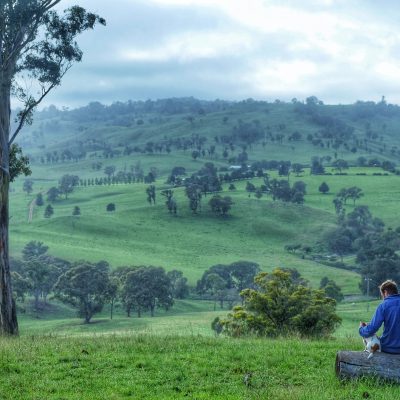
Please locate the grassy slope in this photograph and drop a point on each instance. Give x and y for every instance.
(139, 234)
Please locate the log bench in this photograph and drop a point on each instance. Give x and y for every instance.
(353, 364)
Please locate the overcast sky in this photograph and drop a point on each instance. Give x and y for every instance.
(338, 50)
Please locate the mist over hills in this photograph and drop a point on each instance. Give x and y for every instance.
(298, 129)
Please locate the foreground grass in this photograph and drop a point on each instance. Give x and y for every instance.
(150, 367)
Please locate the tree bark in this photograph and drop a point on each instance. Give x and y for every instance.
(8, 314)
(354, 364)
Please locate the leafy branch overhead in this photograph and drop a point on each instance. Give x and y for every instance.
(45, 61)
(37, 48)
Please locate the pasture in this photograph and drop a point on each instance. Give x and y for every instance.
(174, 367)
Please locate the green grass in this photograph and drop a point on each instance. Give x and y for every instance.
(173, 367)
(186, 317)
(257, 230)
(140, 234)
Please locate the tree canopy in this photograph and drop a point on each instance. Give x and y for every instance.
(84, 286)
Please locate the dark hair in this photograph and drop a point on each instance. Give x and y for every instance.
(389, 286)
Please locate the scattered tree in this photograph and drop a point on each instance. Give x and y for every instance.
(84, 286)
(109, 170)
(220, 205)
(67, 184)
(52, 194)
(49, 211)
(28, 186)
(151, 194)
(110, 207)
(170, 202)
(145, 288)
(39, 200)
(323, 188)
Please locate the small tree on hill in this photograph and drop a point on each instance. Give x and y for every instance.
(250, 187)
(170, 202)
(110, 207)
(297, 169)
(67, 184)
(151, 194)
(49, 211)
(259, 193)
(76, 211)
(39, 200)
(323, 188)
(355, 193)
(109, 170)
(339, 165)
(193, 192)
(195, 154)
(28, 186)
(220, 205)
(52, 194)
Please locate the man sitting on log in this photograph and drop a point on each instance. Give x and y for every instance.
(388, 313)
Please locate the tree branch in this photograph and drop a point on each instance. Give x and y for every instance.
(29, 30)
(30, 107)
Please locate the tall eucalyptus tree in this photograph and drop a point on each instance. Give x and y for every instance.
(37, 45)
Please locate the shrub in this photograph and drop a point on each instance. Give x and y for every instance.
(281, 306)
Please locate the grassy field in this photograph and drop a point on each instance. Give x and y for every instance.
(185, 318)
(140, 234)
(174, 367)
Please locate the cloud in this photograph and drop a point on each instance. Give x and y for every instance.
(338, 50)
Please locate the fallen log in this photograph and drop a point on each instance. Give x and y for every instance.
(353, 364)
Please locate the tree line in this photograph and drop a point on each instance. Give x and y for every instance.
(360, 233)
(89, 286)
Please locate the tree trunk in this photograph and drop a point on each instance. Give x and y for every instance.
(8, 314)
(354, 364)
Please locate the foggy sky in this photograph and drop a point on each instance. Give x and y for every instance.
(338, 50)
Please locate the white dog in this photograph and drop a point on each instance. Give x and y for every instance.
(372, 344)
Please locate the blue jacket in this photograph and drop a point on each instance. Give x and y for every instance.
(388, 313)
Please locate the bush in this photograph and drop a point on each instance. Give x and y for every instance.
(282, 306)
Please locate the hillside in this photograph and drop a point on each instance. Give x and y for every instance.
(139, 138)
(174, 127)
